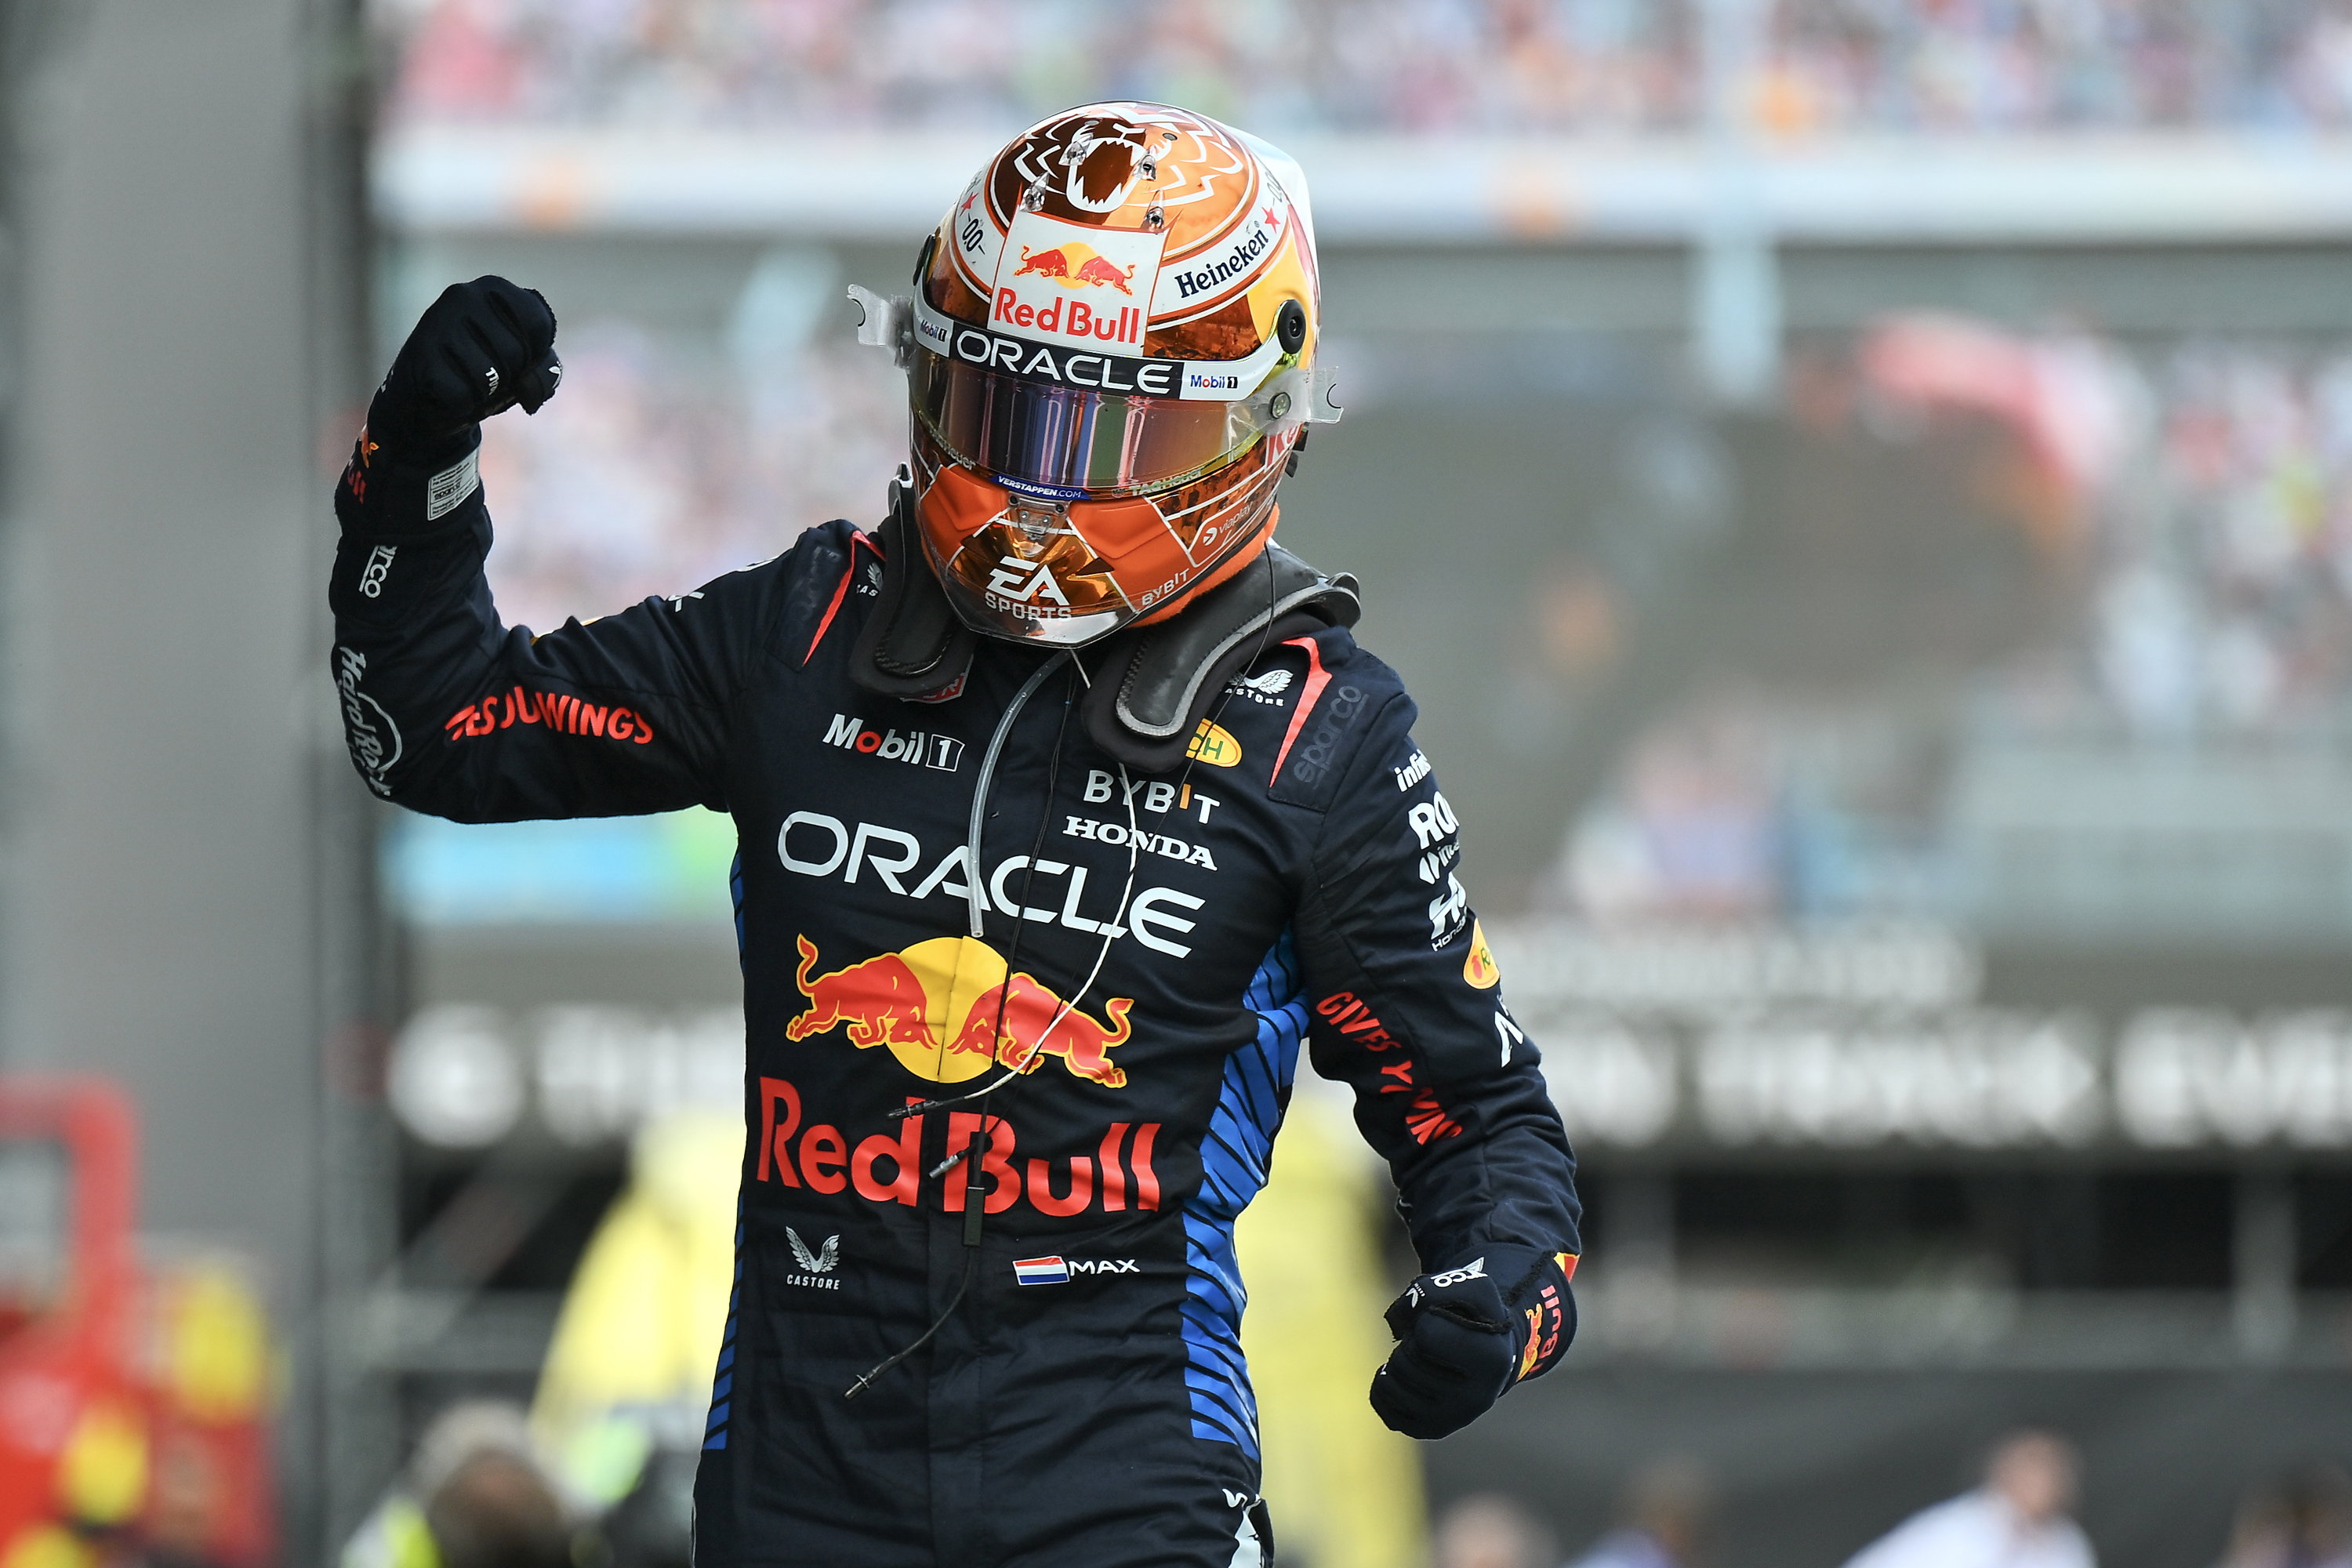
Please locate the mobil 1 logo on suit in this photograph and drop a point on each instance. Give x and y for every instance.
(943, 753)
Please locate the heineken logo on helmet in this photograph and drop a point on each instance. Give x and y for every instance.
(1235, 263)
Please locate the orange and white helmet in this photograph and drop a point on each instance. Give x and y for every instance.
(1111, 360)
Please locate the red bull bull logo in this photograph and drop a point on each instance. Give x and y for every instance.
(1021, 1023)
(948, 1010)
(1074, 264)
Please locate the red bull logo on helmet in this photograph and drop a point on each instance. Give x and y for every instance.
(948, 1010)
(1071, 284)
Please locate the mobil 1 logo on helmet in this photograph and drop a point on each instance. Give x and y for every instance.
(1074, 285)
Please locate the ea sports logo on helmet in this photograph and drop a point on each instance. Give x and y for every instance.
(1025, 582)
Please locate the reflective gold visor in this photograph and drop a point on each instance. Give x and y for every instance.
(1069, 439)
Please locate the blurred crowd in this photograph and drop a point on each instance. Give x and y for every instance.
(2007, 65)
(2199, 547)
(1387, 65)
(2227, 582)
(479, 1492)
(667, 462)
(2209, 544)
(1515, 67)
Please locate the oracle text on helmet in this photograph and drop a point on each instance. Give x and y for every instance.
(1098, 372)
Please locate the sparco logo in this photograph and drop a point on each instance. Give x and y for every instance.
(368, 732)
(943, 753)
(1332, 725)
(378, 567)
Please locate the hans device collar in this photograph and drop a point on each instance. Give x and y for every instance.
(1153, 683)
(914, 648)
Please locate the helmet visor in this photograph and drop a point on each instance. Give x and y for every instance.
(1068, 438)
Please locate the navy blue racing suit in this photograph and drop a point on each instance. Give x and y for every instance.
(1135, 961)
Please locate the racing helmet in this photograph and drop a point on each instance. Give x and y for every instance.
(1110, 358)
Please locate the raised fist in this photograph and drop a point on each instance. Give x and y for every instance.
(1466, 1335)
(480, 349)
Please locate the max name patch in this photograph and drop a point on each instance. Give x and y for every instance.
(1060, 1271)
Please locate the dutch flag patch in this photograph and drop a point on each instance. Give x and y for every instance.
(1041, 1271)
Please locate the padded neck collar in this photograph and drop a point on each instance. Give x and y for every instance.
(1150, 685)
(914, 648)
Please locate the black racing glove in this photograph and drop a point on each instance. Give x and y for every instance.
(480, 349)
(1467, 1334)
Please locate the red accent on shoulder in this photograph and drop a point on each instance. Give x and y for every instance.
(1317, 679)
(856, 538)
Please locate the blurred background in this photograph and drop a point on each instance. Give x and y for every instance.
(1861, 490)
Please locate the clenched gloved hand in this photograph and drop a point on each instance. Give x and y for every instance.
(480, 349)
(1464, 1335)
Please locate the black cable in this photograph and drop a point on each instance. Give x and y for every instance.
(970, 1268)
(975, 1200)
(1036, 848)
(1020, 918)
